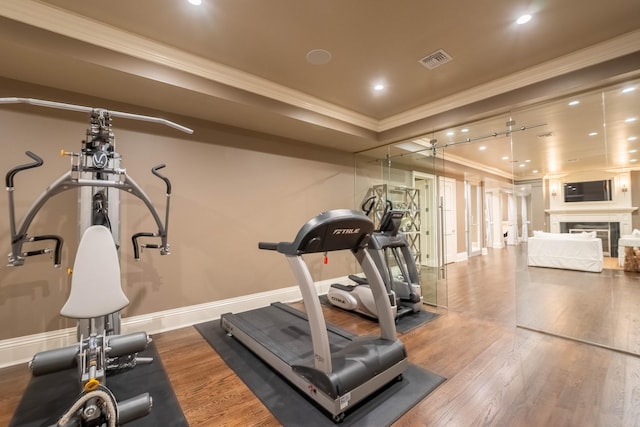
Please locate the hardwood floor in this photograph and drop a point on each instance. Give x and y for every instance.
(498, 375)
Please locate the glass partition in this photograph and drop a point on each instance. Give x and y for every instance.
(404, 176)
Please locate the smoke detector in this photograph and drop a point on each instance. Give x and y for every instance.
(435, 59)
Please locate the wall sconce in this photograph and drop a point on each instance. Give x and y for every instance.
(553, 191)
(624, 187)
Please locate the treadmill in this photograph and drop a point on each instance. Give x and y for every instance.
(331, 367)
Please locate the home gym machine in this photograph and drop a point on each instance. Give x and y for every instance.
(96, 296)
(335, 370)
(403, 289)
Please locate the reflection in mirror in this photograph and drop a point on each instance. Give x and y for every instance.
(574, 278)
(553, 187)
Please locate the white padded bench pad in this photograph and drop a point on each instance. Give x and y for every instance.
(95, 284)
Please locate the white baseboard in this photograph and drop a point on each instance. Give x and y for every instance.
(18, 350)
(461, 256)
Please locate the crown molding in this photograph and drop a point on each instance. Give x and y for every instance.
(77, 27)
(596, 54)
(97, 33)
(474, 165)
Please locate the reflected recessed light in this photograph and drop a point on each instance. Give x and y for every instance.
(630, 120)
(633, 151)
(195, 2)
(505, 157)
(482, 148)
(633, 160)
(521, 165)
(593, 133)
(527, 161)
(523, 19)
(464, 130)
(628, 89)
(573, 103)
(632, 138)
(535, 171)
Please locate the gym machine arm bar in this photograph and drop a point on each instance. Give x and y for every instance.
(164, 249)
(64, 183)
(37, 162)
(81, 108)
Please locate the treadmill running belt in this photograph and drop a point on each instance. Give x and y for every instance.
(285, 332)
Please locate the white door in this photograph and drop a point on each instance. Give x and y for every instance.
(447, 192)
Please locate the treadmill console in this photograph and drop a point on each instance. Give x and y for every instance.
(333, 230)
(390, 222)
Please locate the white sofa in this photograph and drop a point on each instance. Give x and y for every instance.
(571, 251)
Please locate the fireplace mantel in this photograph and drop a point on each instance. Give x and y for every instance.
(592, 210)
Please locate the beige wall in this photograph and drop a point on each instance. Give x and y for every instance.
(231, 189)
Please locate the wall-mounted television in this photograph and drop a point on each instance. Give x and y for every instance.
(587, 191)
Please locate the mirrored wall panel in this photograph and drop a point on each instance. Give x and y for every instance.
(578, 248)
(553, 189)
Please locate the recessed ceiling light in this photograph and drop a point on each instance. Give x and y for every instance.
(195, 2)
(505, 157)
(378, 87)
(527, 161)
(535, 171)
(593, 133)
(318, 57)
(450, 133)
(630, 120)
(482, 148)
(465, 130)
(632, 138)
(521, 165)
(633, 160)
(573, 103)
(523, 19)
(628, 89)
(633, 151)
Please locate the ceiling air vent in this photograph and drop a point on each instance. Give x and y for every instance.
(435, 59)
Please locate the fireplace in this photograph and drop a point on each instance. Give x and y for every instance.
(608, 232)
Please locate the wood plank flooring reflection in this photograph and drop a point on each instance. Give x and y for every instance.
(498, 375)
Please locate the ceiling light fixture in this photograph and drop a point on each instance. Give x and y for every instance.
(574, 103)
(378, 87)
(482, 148)
(628, 89)
(195, 2)
(632, 138)
(505, 157)
(523, 19)
(593, 133)
(465, 130)
(630, 120)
